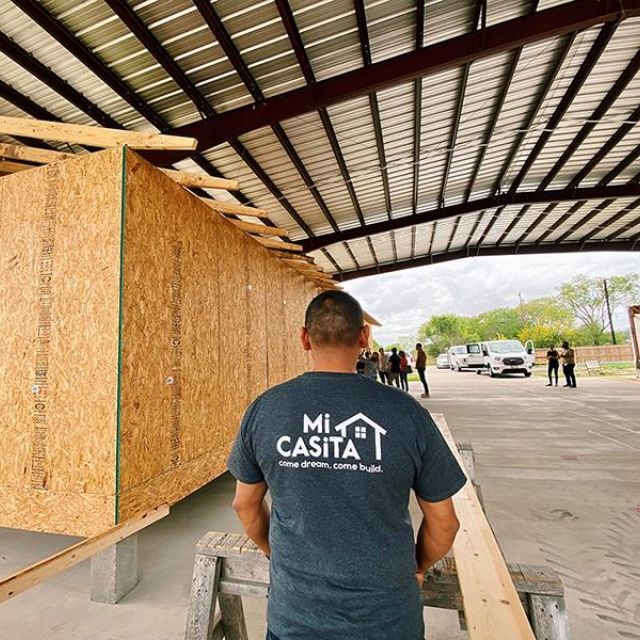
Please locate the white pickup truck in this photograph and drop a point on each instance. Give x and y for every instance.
(501, 356)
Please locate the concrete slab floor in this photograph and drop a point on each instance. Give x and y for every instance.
(560, 474)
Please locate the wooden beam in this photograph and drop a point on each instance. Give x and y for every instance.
(293, 256)
(235, 209)
(304, 266)
(94, 136)
(279, 244)
(201, 180)
(492, 607)
(44, 569)
(6, 166)
(260, 229)
(32, 154)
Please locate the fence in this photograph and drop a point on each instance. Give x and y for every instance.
(604, 353)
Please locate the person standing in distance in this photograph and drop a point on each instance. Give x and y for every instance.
(337, 452)
(393, 376)
(421, 365)
(568, 364)
(553, 364)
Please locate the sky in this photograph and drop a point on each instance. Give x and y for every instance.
(403, 300)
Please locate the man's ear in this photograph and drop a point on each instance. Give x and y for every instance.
(304, 339)
(363, 338)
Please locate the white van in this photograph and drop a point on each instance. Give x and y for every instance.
(507, 356)
(457, 357)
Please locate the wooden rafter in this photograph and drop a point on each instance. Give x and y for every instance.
(94, 136)
(235, 209)
(259, 229)
(279, 244)
(200, 180)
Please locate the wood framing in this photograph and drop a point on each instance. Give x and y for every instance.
(121, 306)
(44, 569)
(7, 166)
(279, 245)
(94, 136)
(201, 180)
(32, 154)
(492, 607)
(259, 229)
(235, 209)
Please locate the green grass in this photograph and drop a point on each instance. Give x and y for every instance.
(606, 369)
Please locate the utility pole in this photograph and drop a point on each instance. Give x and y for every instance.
(606, 297)
(521, 308)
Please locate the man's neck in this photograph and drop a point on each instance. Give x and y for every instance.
(334, 361)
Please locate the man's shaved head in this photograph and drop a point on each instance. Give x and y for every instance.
(334, 318)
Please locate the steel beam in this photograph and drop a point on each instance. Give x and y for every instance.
(505, 250)
(219, 32)
(33, 66)
(417, 121)
(365, 50)
(288, 19)
(501, 200)
(480, 9)
(577, 83)
(483, 43)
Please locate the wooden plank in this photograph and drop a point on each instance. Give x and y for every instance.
(491, 604)
(259, 229)
(303, 266)
(293, 256)
(232, 614)
(201, 180)
(67, 558)
(279, 244)
(32, 154)
(235, 209)
(7, 166)
(94, 136)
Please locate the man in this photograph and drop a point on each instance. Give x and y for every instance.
(552, 364)
(383, 365)
(393, 376)
(340, 456)
(568, 364)
(421, 365)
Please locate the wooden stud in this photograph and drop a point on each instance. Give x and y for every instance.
(260, 229)
(201, 618)
(94, 136)
(67, 558)
(32, 154)
(235, 209)
(279, 244)
(6, 166)
(201, 180)
(232, 614)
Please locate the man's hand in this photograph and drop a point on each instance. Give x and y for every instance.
(436, 534)
(253, 513)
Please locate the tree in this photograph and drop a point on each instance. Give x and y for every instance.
(585, 297)
(546, 322)
(497, 324)
(442, 331)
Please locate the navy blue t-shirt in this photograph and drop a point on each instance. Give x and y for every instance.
(341, 454)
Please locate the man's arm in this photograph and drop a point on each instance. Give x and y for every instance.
(436, 534)
(253, 513)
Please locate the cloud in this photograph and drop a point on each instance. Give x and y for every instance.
(403, 300)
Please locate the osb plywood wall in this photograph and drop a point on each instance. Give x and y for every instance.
(59, 264)
(123, 375)
(214, 319)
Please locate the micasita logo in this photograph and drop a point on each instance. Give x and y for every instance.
(346, 446)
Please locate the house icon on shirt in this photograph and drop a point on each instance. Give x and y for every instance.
(362, 428)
